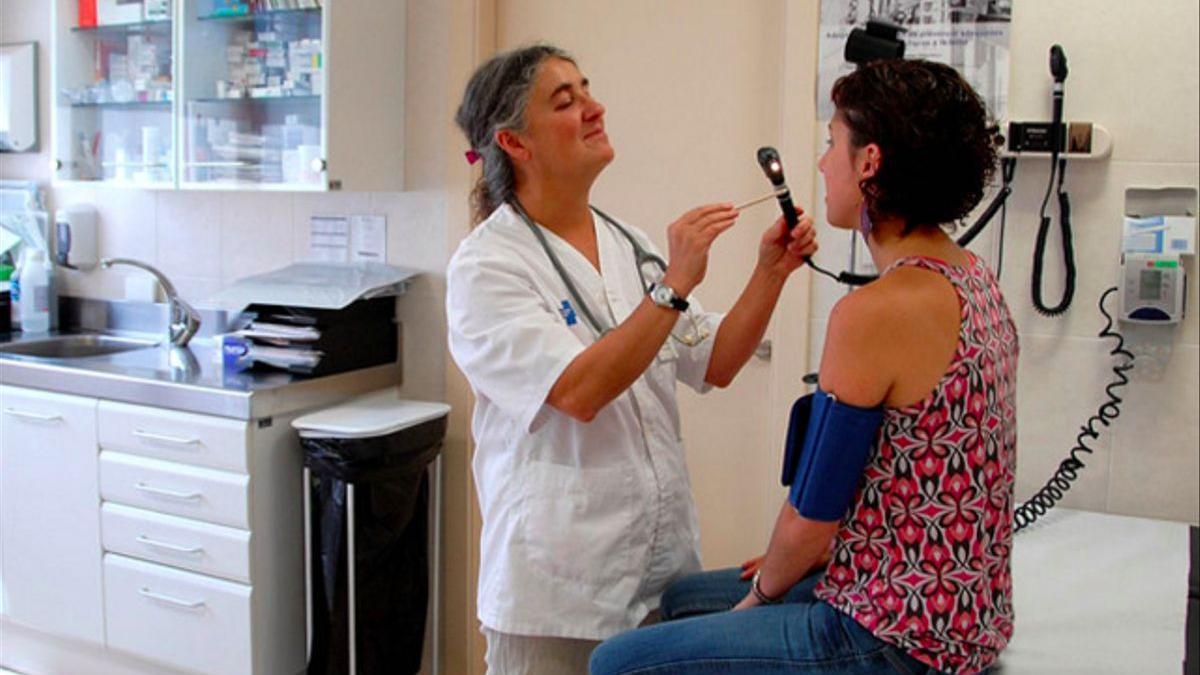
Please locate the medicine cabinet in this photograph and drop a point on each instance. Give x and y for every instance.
(300, 95)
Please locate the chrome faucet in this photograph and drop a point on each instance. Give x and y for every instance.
(184, 320)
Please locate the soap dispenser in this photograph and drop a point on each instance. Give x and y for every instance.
(75, 237)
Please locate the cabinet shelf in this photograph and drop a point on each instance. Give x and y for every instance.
(152, 26)
(127, 104)
(256, 99)
(262, 14)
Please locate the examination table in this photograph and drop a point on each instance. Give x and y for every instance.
(1101, 593)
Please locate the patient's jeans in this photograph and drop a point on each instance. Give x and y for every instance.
(799, 635)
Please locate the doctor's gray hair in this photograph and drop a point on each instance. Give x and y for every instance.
(495, 100)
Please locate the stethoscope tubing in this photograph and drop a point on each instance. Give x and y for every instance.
(640, 254)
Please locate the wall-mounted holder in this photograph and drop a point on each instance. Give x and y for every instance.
(1079, 140)
(1159, 238)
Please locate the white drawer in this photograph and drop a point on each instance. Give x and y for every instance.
(178, 618)
(202, 440)
(179, 542)
(166, 487)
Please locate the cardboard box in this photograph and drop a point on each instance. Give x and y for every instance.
(110, 12)
(156, 10)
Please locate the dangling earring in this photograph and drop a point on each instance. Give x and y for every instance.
(864, 222)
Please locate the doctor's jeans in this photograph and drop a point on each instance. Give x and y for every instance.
(799, 635)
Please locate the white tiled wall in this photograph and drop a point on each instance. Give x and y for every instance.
(204, 241)
(1140, 80)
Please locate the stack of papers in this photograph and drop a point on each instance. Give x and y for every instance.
(276, 332)
(286, 357)
(283, 344)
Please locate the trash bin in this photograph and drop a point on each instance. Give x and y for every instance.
(367, 512)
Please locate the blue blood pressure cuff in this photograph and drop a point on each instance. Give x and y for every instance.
(828, 443)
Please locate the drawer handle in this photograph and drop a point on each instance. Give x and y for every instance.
(52, 417)
(168, 493)
(163, 438)
(170, 547)
(186, 604)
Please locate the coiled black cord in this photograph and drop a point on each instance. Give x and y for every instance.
(1058, 168)
(1054, 489)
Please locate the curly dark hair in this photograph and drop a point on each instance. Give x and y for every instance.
(938, 147)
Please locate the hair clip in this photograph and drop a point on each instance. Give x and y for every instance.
(473, 156)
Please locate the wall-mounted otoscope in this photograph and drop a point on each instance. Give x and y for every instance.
(1058, 170)
(879, 40)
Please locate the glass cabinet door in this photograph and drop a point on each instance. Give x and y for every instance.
(251, 92)
(114, 92)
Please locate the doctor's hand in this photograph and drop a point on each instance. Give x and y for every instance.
(782, 252)
(689, 239)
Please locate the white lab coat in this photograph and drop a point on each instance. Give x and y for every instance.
(584, 525)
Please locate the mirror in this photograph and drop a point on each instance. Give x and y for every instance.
(18, 97)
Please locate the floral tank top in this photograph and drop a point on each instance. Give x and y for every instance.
(922, 560)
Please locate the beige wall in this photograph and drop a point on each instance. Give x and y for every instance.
(1134, 69)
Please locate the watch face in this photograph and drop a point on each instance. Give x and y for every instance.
(662, 295)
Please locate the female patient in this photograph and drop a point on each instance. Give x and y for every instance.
(919, 579)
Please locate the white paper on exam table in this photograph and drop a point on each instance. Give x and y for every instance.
(1098, 593)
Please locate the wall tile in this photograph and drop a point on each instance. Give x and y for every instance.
(196, 289)
(1156, 451)
(256, 234)
(305, 205)
(1060, 384)
(1145, 90)
(127, 224)
(97, 283)
(416, 228)
(189, 234)
(421, 311)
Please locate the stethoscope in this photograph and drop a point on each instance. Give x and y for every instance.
(650, 268)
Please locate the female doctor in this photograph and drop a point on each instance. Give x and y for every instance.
(572, 333)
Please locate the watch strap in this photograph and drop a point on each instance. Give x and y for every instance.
(673, 302)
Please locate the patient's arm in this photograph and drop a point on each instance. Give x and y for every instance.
(857, 367)
(798, 545)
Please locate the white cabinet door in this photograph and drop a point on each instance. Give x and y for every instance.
(50, 512)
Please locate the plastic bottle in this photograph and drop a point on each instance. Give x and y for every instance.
(34, 301)
(14, 299)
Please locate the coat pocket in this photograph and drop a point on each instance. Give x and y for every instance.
(578, 524)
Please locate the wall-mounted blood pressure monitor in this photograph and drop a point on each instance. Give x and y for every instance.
(1158, 244)
(1153, 289)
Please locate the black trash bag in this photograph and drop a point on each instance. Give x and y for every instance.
(391, 494)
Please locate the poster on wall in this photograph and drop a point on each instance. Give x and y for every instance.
(971, 35)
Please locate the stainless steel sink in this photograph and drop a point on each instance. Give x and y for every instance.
(75, 346)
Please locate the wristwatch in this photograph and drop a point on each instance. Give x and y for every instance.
(664, 296)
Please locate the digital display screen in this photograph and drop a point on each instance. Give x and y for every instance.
(1151, 285)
